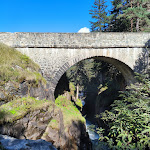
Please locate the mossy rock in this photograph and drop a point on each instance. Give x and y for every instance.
(79, 103)
(69, 110)
(54, 124)
(18, 108)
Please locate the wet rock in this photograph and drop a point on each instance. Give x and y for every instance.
(11, 143)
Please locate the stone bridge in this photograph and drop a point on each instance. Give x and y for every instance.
(57, 52)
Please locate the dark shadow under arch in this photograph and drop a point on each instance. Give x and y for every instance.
(126, 71)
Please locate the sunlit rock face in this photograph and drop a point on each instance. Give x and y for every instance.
(12, 89)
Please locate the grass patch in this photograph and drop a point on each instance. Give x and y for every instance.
(72, 88)
(79, 103)
(14, 66)
(69, 110)
(18, 108)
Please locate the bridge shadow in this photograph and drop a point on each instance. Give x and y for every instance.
(143, 62)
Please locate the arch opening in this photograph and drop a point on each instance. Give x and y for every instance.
(123, 75)
(125, 70)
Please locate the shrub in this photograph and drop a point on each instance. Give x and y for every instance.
(128, 122)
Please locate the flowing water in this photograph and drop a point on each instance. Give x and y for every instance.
(94, 137)
(11, 143)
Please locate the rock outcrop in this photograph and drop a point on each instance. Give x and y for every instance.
(12, 89)
(48, 123)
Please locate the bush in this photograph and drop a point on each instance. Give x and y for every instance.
(128, 122)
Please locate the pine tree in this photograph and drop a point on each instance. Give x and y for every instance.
(78, 75)
(137, 12)
(99, 16)
(142, 13)
(117, 24)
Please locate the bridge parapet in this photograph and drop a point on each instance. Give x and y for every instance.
(74, 40)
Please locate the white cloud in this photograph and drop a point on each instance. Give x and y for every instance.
(84, 30)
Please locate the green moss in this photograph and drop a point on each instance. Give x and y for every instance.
(18, 108)
(25, 59)
(69, 110)
(72, 88)
(53, 120)
(61, 101)
(39, 78)
(79, 103)
(14, 66)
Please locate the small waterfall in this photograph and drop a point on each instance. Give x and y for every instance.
(93, 135)
(96, 144)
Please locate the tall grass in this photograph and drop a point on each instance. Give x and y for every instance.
(15, 66)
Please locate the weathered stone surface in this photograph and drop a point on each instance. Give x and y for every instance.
(11, 90)
(75, 40)
(2, 96)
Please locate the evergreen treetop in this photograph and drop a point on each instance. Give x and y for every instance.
(99, 16)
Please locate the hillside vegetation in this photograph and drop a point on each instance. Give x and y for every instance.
(15, 66)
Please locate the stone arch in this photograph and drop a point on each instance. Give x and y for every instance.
(126, 71)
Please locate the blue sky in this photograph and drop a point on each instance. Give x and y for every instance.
(44, 15)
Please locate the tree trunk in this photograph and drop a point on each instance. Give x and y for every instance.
(137, 20)
(131, 20)
(132, 25)
(77, 93)
(137, 25)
